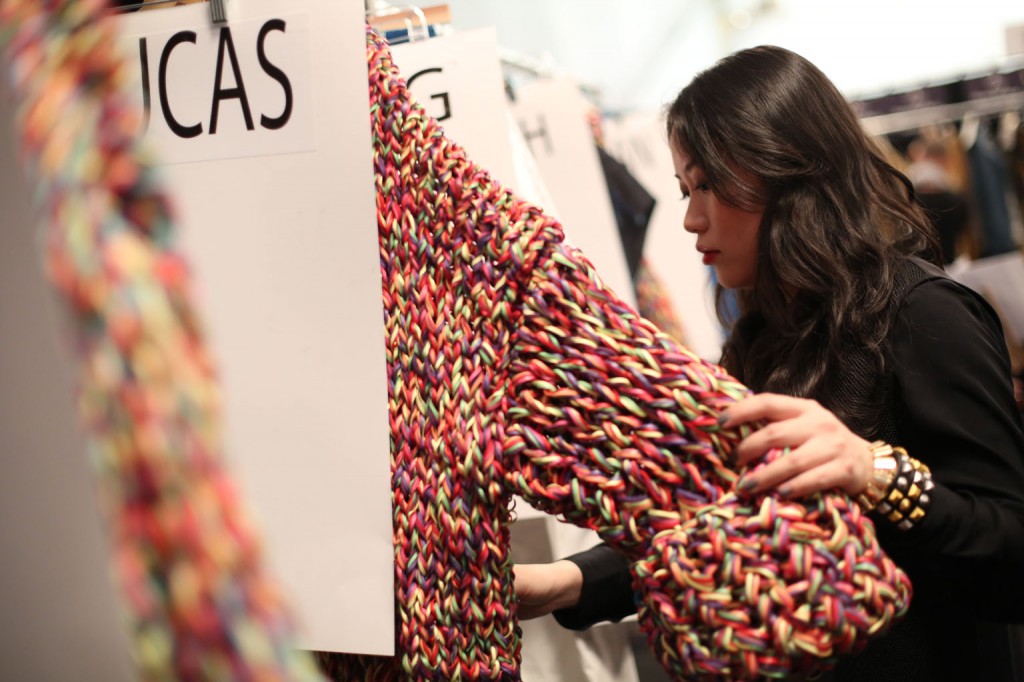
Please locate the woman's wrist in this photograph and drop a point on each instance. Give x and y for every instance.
(543, 588)
(910, 496)
(569, 580)
(885, 466)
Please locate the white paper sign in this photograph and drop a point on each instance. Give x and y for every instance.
(552, 115)
(458, 81)
(229, 90)
(278, 222)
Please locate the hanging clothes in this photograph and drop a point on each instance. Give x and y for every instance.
(949, 214)
(990, 181)
(198, 597)
(1012, 135)
(1016, 163)
(654, 302)
(947, 209)
(633, 206)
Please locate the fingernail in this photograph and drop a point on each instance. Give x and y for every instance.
(746, 484)
(722, 418)
(785, 490)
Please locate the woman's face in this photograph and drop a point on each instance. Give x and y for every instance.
(726, 235)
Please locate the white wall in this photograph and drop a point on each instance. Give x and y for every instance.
(641, 53)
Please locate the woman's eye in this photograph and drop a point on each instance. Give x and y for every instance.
(686, 195)
(702, 187)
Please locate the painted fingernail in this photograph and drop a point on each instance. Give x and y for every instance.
(722, 418)
(785, 490)
(746, 484)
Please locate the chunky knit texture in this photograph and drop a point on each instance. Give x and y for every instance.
(512, 369)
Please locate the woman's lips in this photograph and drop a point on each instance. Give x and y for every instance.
(710, 256)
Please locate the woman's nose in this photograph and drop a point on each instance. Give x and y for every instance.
(694, 220)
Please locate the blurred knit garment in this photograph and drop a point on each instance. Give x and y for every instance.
(654, 303)
(198, 599)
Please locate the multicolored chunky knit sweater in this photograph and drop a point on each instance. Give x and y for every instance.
(512, 369)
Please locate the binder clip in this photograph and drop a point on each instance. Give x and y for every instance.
(219, 11)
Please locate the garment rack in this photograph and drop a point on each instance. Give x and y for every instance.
(218, 8)
(393, 18)
(943, 113)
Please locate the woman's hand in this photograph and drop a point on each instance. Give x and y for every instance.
(824, 454)
(543, 588)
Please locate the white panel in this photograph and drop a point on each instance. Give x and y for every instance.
(552, 115)
(284, 245)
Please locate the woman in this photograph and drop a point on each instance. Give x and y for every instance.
(851, 335)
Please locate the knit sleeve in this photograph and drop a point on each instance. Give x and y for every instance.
(603, 402)
(613, 426)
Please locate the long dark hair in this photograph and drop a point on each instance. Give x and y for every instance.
(837, 219)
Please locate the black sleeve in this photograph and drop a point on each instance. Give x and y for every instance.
(607, 592)
(958, 416)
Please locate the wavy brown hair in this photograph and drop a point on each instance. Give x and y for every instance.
(837, 219)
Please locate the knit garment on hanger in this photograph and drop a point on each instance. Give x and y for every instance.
(198, 599)
(512, 368)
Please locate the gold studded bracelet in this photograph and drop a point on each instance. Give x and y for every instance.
(911, 493)
(883, 476)
(900, 486)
